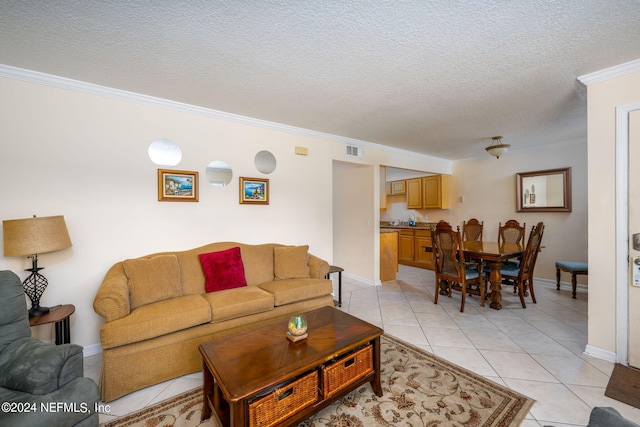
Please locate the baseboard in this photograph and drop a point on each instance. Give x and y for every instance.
(554, 283)
(360, 279)
(90, 350)
(599, 353)
(539, 280)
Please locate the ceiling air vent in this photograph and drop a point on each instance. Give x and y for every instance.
(354, 151)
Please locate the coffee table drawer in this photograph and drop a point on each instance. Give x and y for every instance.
(346, 370)
(284, 401)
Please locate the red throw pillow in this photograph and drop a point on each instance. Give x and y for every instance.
(223, 270)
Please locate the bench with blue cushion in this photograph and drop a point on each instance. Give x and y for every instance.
(574, 268)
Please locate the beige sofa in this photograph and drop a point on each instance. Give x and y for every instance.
(158, 311)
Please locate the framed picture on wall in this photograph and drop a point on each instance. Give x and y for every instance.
(177, 186)
(254, 191)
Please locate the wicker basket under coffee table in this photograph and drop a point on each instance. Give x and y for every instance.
(257, 377)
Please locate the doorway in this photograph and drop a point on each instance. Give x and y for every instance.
(627, 223)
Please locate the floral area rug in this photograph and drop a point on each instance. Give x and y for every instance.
(420, 389)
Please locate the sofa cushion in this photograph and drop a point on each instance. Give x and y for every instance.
(293, 290)
(154, 320)
(153, 279)
(258, 267)
(238, 302)
(223, 270)
(291, 262)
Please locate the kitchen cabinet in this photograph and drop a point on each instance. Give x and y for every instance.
(424, 257)
(388, 255)
(435, 192)
(406, 246)
(414, 193)
(384, 188)
(396, 187)
(411, 248)
(429, 192)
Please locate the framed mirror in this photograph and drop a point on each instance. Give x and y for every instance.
(219, 173)
(544, 191)
(265, 161)
(164, 152)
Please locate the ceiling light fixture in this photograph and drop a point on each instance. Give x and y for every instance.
(497, 148)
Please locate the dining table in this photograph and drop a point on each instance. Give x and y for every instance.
(493, 254)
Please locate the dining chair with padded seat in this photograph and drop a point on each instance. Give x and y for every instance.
(511, 232)
(452, 271)
(521, 276)
(472, 230)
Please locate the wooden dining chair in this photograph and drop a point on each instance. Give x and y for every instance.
(511, 232)
(521, 276)
(472, 230)
(451, 270)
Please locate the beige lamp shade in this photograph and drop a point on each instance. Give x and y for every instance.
(31, 236)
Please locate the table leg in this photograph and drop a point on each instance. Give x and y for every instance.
(207, 390)
(66, 323)
(444, 288)
(375, 381)
(63, 332)
(574, 283)
(236, 410)
(339, 288)
(58, 327)
(495, 277)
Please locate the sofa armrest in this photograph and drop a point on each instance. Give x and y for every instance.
(608, 417)
(34, 367)
(319, 268)
(112, 300)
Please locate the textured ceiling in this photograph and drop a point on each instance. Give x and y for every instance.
(438, 77)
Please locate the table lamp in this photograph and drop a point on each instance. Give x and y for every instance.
(30, 237)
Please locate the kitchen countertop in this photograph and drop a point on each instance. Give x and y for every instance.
(420, 226)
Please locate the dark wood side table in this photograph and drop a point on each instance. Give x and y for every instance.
(59, 315)
(339, 270)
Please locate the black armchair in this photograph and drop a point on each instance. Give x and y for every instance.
(40, 384)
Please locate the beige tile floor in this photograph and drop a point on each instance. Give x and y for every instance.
(537, 351)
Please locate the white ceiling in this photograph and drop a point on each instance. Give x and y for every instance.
(439, 77)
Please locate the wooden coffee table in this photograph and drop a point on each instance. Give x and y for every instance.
(245, 368)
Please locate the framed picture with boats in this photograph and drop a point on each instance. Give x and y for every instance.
(254, 191)
(177, 186)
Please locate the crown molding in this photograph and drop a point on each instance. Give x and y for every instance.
(90, 88)
(610, 73)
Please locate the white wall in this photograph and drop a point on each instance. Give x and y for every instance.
(603, 98)
(83, 154)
